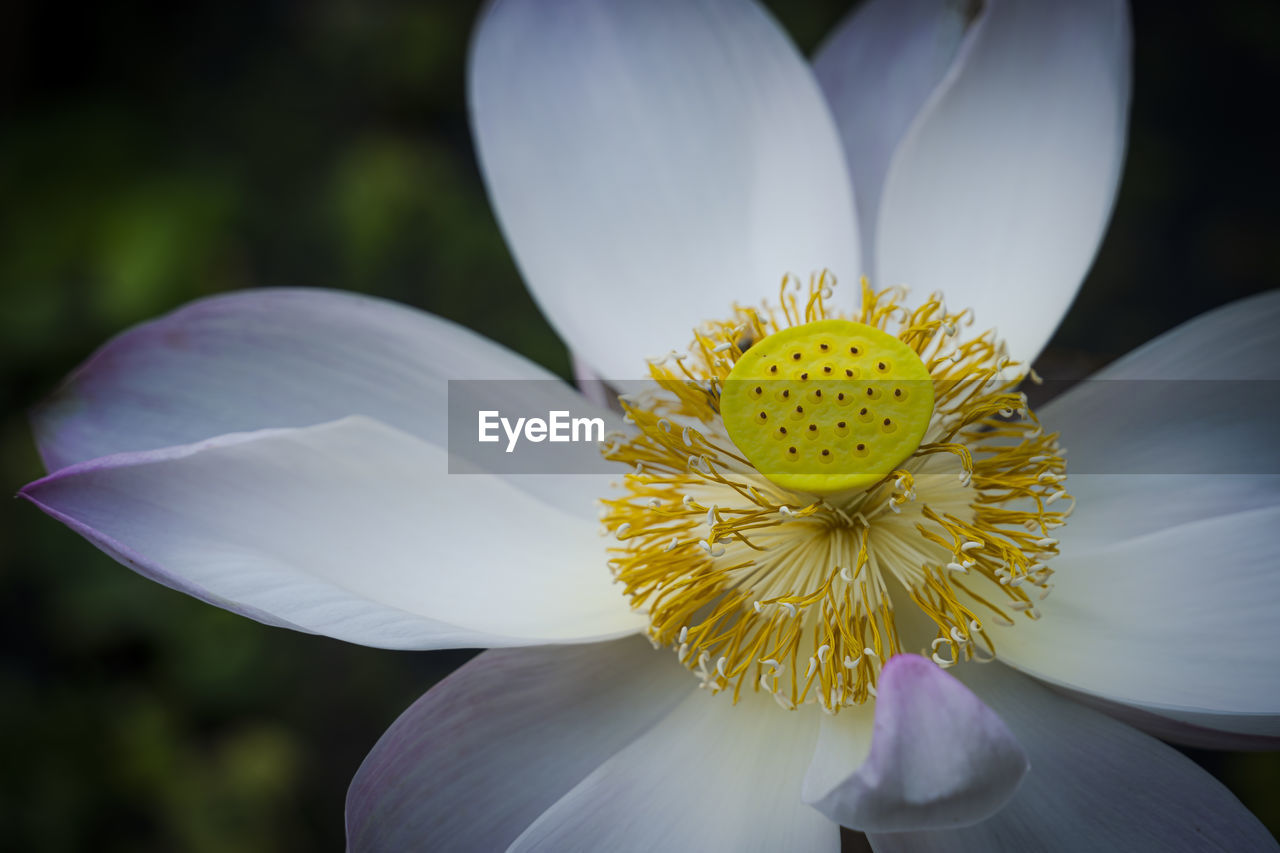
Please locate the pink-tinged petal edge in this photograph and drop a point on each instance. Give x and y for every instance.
(480, 756)
(336, 530)
(126, 555)
(1095, 784)
(939, 757)
(272, 358)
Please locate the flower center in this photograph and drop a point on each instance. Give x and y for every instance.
(897, 517)
(827, 406)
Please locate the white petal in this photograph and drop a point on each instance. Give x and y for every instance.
(876, 69)
(351, 529)
(475, 761)
(938, 757)
(1176, 731)
(1192, 412)
(1001, 190)
(1180, 623)
(1234, 341)
(262, 359)
(1179, 430)
(1095, 784)
(652, 163)
(1163, 591)
(711, 776)
(844, 741)
(1113, 508)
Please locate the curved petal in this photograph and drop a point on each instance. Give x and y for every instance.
(351, 529)
(1176, 731)
(1196, 402)
(1162, 594)
(938, 757)
(1236, 341)
(1000, 192)
(651, 163)
(844, 741)
(710, 776)
(1095, 784)
(263, 359)
(1178, 431)
(1114, 508)
(1180, 623)
(475, 761)
(876, 69)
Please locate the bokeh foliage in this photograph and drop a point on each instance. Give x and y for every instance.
(154, 153)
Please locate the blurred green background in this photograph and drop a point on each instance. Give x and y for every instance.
(152, 153)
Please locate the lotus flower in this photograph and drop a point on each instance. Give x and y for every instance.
(658, 167)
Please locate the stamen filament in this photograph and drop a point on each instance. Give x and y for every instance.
(762, 584)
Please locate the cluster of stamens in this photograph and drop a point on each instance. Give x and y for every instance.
(795, 580)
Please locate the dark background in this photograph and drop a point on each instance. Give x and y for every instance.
(152, 153)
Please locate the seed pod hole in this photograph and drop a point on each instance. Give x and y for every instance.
(869, 376)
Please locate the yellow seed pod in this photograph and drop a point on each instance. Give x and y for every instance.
(828, 406)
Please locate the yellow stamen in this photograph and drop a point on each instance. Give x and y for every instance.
(796, 587)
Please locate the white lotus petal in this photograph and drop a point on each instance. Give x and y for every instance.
(1001, 190)
(877, 68)
(1177, 731)
(351, 529)
(710, 776)
(1180, 429)
(844, 740)
(1180, 623)
(1094, 784)
(1162, 593)
(1233, 341)
(1113, 508)
(262, 359)
(652, 163)
(478, 758)
(938, 757)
